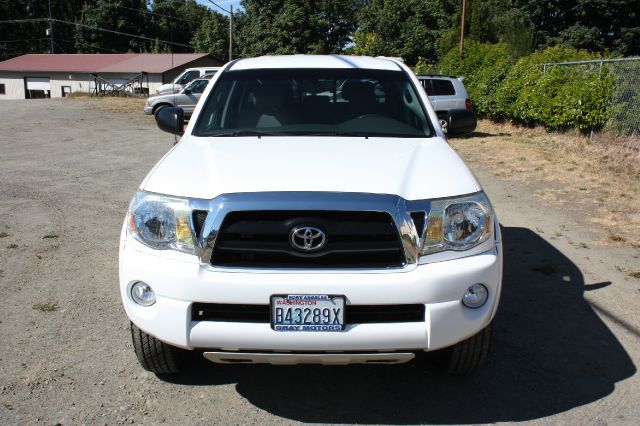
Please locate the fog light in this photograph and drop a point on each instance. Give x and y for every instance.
(143, 294)
(475, 296)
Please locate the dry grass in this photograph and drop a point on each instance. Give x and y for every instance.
(599, 180)
(133, 105)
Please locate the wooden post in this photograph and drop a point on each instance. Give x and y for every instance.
(464, 13)
(230, 33)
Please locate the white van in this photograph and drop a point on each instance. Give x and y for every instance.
(185, 78)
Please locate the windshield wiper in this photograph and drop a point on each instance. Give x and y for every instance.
(248, 133)
(364, 134)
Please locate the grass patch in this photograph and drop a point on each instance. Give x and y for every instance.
(48, 306)
(3, 234)
(635, 275)
(7, 406)
(12, 246)
(127, 104)
(50, 235)
(616, 237)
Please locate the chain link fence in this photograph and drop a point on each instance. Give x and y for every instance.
(621, 77)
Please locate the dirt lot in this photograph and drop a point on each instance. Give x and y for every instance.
(566, 338)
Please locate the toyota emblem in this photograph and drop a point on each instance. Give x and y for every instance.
(307, 238)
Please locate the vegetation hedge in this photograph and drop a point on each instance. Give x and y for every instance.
(484, 67)
(559, 97)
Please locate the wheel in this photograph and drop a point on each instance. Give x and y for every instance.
(465, 357)
(158, 108)
(156, 356)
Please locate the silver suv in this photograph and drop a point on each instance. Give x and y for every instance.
(445, 93)
(186, 99)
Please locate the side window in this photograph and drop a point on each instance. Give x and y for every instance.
(189, 76)
(2, 89)
(427, 84)
(199, 86)
(443, 88)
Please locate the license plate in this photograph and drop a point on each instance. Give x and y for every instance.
(307, 312)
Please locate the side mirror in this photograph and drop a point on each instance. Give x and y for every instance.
(461, 122)
(171, 120)
(186, 91)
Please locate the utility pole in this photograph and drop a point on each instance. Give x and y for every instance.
(464, 13)
(230, 32)
(50, 29)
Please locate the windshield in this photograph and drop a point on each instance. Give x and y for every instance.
(197, 86)
(187, 77)
(321, 102)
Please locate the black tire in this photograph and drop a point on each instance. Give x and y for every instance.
(465, 357)
(158, 108)
(156, 356)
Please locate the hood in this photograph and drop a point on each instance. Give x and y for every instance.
(164, 97)
(411, 168)
(169, 87)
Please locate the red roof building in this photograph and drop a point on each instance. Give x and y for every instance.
(73, 72)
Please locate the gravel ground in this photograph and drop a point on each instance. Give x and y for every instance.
(566, 338)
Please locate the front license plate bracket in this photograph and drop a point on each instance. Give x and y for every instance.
(307, 312)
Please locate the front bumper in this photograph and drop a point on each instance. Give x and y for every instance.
(179, 280)
(148, 110)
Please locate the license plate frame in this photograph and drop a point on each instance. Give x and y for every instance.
(327, 301)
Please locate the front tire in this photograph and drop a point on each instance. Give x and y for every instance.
(156, 356)
(158, 108)
(465, 357)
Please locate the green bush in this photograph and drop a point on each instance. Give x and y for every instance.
(558, 97)
(483, 66)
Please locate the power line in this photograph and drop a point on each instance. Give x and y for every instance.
(71, 42)
(18, 21)
(122, 33)
(219, 7)
(25, 39)
(230, 12)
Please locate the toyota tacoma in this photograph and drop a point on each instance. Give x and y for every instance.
(312, 212)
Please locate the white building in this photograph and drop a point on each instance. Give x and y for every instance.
(54, 76)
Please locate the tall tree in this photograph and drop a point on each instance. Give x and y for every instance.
(177, 21)
(213, 36)
(125, 16)
(493, 21)
(295, 26)
(30, 37)
(410, 29)
(593, 25)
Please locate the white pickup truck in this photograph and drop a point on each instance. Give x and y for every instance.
(312, 212)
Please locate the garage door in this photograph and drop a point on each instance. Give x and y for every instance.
(38, 87)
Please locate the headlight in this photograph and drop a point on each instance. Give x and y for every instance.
(161, 222)
(458, 224)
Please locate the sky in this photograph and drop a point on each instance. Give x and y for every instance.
(223, 3)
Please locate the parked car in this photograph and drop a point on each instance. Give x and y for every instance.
(186, 99)
(185, 78)
(445, 93)
(312, 212)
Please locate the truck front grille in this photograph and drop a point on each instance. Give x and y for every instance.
(261, 239)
